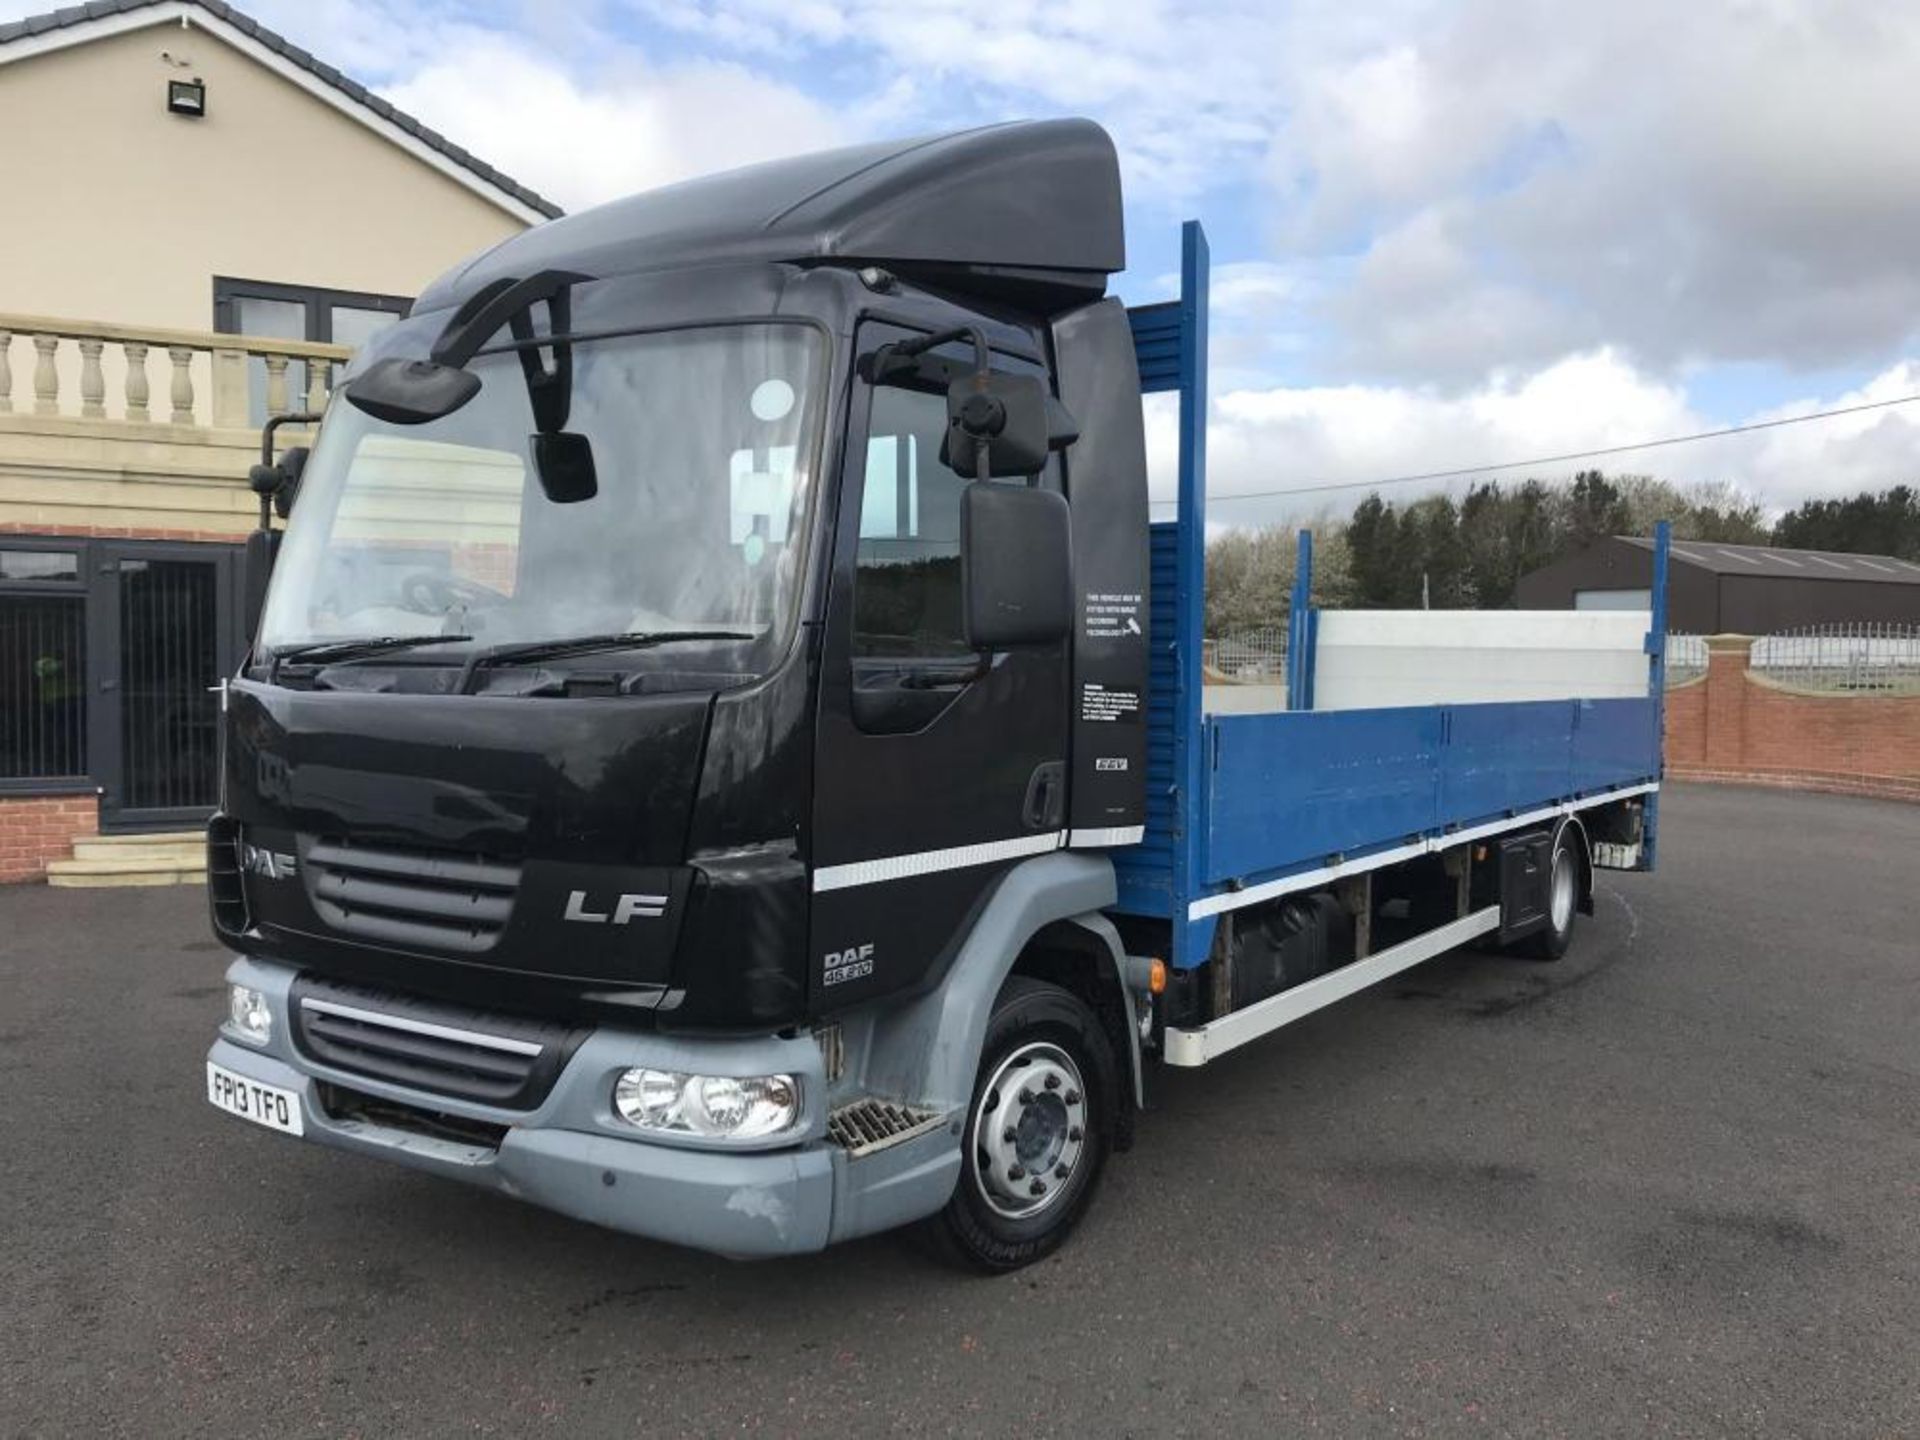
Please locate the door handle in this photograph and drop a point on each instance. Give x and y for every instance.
(1045, 804)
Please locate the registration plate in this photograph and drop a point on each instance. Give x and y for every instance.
(266, 1105)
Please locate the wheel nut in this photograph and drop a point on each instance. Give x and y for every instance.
(1018, 1172)
(1039, 1187)
(1007, 1135)
(1026, 1097)
(1073, 1097)
(1060, 1172)
(1053, 1082)
(1074, 1134)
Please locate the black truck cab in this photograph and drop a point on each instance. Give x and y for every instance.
(641, 692)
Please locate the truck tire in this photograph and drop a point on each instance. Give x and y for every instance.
(1563, 901)
(1037, 1132)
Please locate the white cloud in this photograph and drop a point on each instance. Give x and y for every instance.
(629, 127)
(1490, 230)
(1710, 182)
(1295, 439)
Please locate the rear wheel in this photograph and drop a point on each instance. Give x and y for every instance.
(1037, 1133)
(1563, 901)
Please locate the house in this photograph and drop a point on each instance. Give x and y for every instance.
(202, 221)
(1715, 589)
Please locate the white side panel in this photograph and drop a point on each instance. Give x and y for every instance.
(1373, 659)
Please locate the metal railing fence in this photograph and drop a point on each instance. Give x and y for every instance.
(1872, 657)
(1253, 656)
(1686, 658)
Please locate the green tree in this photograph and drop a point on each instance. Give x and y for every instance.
(1373, 536)
(1595, 509)
(1886, 523)
(1443, 581)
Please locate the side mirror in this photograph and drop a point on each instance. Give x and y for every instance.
(1016, 566)
(410, 392)
(997, 425)
(291, 466)
(278, 482)
(563, 461)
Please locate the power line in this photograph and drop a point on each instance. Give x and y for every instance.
(1466, 471)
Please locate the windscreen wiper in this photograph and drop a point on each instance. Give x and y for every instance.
(594, 644)
(327, 652)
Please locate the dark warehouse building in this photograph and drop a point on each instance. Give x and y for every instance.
(1716, 589)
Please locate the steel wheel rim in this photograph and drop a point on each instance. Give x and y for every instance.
(1029, 1130)
(1562, 900)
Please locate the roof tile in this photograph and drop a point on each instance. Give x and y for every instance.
(1801, 564)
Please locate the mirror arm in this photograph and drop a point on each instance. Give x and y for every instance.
(475, 322)
(892, 361)
(973, 334)
(264, 479)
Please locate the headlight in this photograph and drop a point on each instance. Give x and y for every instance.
(724, 1107)
(247, 1009)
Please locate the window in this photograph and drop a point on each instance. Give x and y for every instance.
(906, 595)
(43, 670)
(703, 440)
(297, 312)
(39, 565)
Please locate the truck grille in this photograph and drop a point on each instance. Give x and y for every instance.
(506, 1061)
(410, 898)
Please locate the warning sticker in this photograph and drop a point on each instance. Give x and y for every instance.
(1102, 705)
(1112, 616)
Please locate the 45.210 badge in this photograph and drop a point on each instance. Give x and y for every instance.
(853, 963)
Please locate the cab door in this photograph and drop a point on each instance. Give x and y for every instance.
(936, 768)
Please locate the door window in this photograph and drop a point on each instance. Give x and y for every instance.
(43, 685)
(906, 593)
(169, 660)
(296, 312)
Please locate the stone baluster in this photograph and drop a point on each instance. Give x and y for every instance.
(276, 384)
(6, 373)
(232, 388)
(182, 358)
(319, 382)
(93, 381)
(136, 353)
(46, 378)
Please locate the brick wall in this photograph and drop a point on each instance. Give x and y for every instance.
(37, 828)
(1733, 725)
(56, 530)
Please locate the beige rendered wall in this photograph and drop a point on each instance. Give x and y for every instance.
(113, 209)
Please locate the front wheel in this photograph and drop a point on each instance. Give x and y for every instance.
(1037, 1134)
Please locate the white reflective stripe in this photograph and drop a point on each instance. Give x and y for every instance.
(1108, 835)
(421, 1027)
(1310, 879)
(929, 862)
(1216, 1037)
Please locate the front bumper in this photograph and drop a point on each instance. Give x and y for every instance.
(571, 1155)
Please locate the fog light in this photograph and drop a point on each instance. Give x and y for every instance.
(721, 1107)
(247, 1009)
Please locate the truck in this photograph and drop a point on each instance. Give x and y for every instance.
(728, 754)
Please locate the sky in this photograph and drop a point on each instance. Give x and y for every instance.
(1443, 234)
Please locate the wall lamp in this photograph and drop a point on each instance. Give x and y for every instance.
(187, 97)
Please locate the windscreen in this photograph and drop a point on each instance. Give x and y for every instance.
(703, 444)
